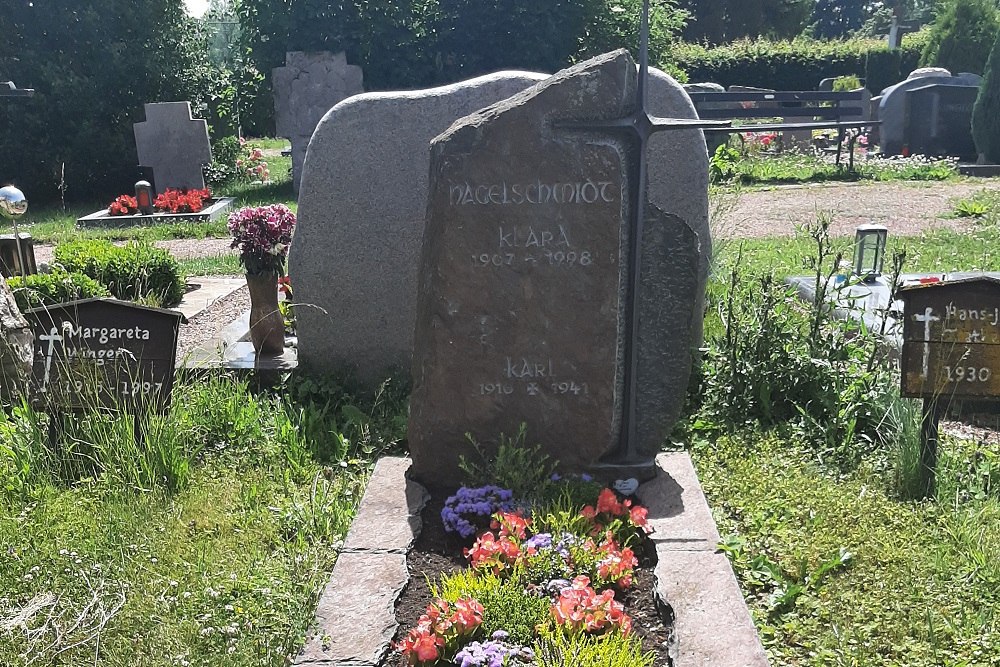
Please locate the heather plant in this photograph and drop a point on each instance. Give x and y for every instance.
(558, 648)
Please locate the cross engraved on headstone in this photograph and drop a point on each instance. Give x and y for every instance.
(9, 89)
(638, 126)
(174, 145)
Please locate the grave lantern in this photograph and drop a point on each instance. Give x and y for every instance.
(144, 197)
(869, 251)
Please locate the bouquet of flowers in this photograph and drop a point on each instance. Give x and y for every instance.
(262, 234)
(123, 205)
(173, 200)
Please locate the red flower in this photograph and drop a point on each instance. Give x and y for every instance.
(123, 205)
(608, 502)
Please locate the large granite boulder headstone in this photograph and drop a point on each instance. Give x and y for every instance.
(892, 107)
(174, 145)
(308, 86)
(524, 280)
(363, 199)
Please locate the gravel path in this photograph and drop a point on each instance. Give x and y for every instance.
(205, 326)
(905, 208)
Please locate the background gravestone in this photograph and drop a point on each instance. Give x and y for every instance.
(308, 86)
(892, 106)
(174, 145)
(524, 277)
(939, 120)
(363, 200)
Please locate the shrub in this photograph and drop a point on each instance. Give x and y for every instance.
(48, 289)
(506, 603)
(986, 113)
(962, 35)
(800, 64)
(136, 271)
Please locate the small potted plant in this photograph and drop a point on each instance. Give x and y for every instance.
(263, 234)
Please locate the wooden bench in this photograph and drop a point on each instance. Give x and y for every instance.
(839, 111)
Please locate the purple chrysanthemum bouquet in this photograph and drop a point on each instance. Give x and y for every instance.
(262, 234)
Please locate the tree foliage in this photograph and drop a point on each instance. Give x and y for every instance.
(429, 42)
(986, 113)
(728, 20)
(93, 65)
(962, 36)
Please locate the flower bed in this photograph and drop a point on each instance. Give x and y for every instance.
(213, 209)
(532, 582)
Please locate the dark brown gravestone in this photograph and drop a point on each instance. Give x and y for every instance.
(103, 353)
(951, 339)
(951, 351)
(524, 278)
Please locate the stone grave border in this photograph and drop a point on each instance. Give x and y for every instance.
(712, 625)
(213, 211)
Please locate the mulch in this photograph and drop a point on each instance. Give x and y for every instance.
(437, 552)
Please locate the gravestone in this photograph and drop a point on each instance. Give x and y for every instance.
(103, 352)
(174, 145)
(892, 106)
(308, 86)
(939, 120)
(363, 199)
(524, 275)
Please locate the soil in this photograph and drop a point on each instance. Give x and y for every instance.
(437, 552)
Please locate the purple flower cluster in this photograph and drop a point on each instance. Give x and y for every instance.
(493, 653)
(263, 234)
(474, 502)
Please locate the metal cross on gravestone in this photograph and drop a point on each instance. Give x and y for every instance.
(174, 145)
(638, 126)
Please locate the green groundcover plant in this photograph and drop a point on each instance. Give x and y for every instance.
(542, 578)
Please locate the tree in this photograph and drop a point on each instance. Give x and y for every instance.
(92, 74)
(986, 112)
(728, 20)
(962, 36)
(839, 18)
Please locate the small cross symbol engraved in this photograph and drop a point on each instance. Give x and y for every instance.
(51, 337)
(927, 318)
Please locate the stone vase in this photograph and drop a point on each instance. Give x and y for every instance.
(267, 326)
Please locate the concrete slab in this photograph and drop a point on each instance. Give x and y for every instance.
(209, 290)
(712, 625)
(678, 511)
(388, 519)
(370, 573)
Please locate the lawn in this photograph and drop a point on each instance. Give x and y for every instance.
(205, 545)
(52, 224)
(812, 485)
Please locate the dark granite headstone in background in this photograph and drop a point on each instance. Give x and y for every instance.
(523, 278)
(939, 120)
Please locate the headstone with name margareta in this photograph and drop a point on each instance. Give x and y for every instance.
(524, 280)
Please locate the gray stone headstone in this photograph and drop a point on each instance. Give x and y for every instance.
(524, 275)
(363, 199)
(939, 120)
(308, 86)
(174, 145)
(892, 107)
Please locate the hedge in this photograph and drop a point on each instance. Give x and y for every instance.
(48, 289)
(800, 64)
(134, 272)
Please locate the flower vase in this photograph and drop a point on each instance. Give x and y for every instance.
(267, 326)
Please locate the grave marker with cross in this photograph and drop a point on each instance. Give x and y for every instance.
(174, 145)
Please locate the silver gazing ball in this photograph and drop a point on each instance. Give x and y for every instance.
(12, 202)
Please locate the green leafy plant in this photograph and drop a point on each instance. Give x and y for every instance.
(558, 648)
(524, 470)
(59, 286)
(508, 605)
(131, 272)
(962, 35)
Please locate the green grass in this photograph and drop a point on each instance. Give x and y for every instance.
(922, 588)
(205, 545)
(50, 224)
(220, 265)
(936, 251)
